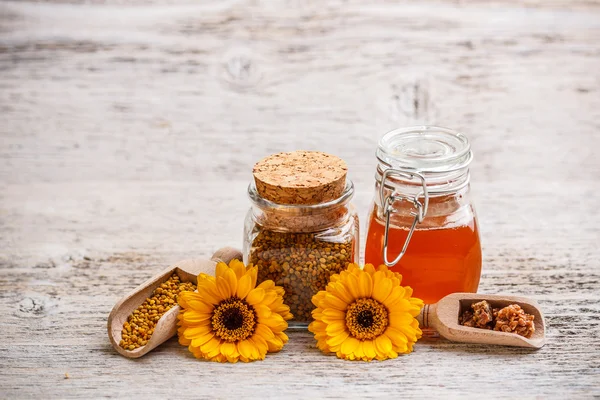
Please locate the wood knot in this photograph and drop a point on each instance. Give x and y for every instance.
(411, 102)
(34, 307)
(46, 265)
(240, 70)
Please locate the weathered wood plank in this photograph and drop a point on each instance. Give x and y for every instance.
(127, 139)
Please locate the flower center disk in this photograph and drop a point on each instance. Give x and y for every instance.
(233, 320)
(366, 319)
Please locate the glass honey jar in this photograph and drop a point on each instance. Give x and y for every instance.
(422, 223)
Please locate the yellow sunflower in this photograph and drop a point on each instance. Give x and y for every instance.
(365, 314)
(229, 318)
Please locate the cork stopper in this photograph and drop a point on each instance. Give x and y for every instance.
(300, 177)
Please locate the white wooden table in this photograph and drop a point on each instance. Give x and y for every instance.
(128, 133)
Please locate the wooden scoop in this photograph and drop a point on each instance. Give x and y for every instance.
(443, 317)
(188, 271)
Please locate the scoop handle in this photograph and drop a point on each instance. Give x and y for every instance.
(428, 318)
(194, 267)
(226, 254)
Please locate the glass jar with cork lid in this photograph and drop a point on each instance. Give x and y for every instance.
(423, 222)
(301, 227)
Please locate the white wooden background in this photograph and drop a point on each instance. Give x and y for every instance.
(128, 133)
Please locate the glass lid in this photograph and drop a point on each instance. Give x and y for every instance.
(425, 149)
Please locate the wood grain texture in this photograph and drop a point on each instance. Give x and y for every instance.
(128, 135)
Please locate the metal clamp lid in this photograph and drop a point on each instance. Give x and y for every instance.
(388, 201)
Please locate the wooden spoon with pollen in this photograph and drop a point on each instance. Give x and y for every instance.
(443, 317)
(166, 327)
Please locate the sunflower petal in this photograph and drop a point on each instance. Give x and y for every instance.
(340, 291)
(353, 268)
(369, 349)
(199, 341)
(223, 288)
(195, 317)
(185, 298)
(398, 319)
(209, 293)
(335, 302)
(383, 345)
(352, 286)
(244, 286)
(410, 332)
(275, 322)
(238, 268)
(264, 331)
(396, 335)
(220, 269)
(190, 303)
(253, 272)
(262, 311)
(417, 305)
(255, 353)
(359, 352)
(335, 328)
(383, 268)
(211, 345)
(318, 298)
(349, 345)
(183, 341)
(196, 331)
(284, 311)
(338, 340)
(255, 296)
(284, 338)
(202, 277)
(267, 285)
(261, 345)
(317, 326)
(274, 345)
(229, 349)
(365, 285)
(395, 296)
(270, 297)
(382, 289)
(331, 315)
(245, 349)
(369, 269)
(232, 280)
